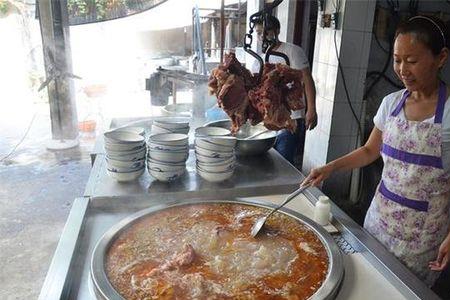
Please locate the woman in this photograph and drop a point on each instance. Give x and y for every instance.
(409, 213)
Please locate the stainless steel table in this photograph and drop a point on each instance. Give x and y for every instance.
(90, 218)
(254, 175)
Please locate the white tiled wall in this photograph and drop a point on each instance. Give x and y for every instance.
(336, 133)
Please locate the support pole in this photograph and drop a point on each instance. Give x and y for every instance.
(222, 29)
(54, 23)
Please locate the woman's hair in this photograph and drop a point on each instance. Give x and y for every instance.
(430, 31)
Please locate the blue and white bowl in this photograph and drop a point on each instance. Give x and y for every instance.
(211, 131)
(215, 154)
(159, 147)
(129, 147)
(132, 129)
(214, 176)
(127, 156)
(165, 176)
(125, 176)
(204, 143)
(169, 139)
(209, 159)
(221, 167)
(169, 156)
(123, 137)
(130, 165)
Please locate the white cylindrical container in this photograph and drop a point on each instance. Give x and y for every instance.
(322, 210)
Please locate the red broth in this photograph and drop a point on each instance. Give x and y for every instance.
(205, 251)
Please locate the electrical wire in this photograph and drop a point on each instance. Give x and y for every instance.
(21, 140)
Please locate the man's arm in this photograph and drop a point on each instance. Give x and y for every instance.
(310, 91)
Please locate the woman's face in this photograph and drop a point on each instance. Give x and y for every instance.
(415, 64)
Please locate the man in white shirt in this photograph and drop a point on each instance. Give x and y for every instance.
(287, 143)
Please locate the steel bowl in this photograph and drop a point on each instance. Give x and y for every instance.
(259, 145)
(104, 290)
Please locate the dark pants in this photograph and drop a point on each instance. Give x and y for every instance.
(289, 144)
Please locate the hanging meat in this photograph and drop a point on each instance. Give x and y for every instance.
(269, 101)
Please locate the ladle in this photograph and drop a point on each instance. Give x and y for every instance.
(260, 222)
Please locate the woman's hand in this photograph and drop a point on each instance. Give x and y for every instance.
(316, 176)
(443, 256)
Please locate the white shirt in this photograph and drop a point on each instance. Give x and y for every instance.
(391, 101)
(297, 59)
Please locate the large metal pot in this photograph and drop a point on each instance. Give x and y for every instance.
(104, 290)
(259, 145)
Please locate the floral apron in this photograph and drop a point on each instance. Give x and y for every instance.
(409, 213)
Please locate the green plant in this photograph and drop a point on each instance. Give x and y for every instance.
(4, 7)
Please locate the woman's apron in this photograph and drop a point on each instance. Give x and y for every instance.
(409, 213)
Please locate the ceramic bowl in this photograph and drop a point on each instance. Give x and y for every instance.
(204, 143)
(122, 137)
(158, 130)
(164, 167)
(227, 141)
(127, 156)
(169, 139)
(159, 147)
(208, 159)
(211, 131)
(213, 153)
(170, 164)
(175, 123)
(114, 163)
(128, 147)
(166, 176)
(132, 129)
(222, 167)
(214, 176)
(171, 157)
(126, 176)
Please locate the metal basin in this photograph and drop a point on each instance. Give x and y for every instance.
(259, 145)
(104, 290)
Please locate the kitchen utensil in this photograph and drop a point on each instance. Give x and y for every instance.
(256, 134)
(260, 222)
(249, 147)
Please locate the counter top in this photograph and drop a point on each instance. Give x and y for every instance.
(254, 175)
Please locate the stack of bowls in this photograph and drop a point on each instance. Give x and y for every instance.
(174, 125)
(214, 153)
(132, 129)
(125, 154)
(167, 155)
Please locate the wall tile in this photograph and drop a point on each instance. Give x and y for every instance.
(343, 119)
(353, 80)
(366, 50)
(339, 146)
(330, 85)
(355, 15)
(371, 6)
(352, 48)
(325, 43)
(320, 78)
(332, 58)
(324, 123)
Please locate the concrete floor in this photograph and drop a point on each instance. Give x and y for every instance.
(37, 188)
